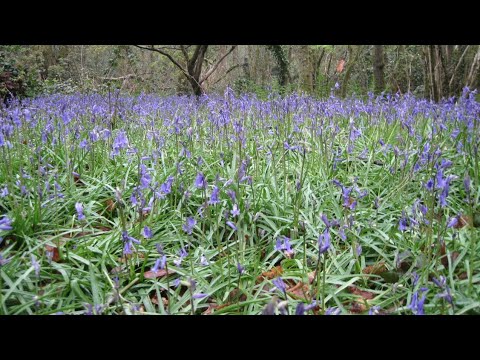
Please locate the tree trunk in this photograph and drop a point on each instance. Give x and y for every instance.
(433, 78)
(194, 68)
(472, 79)
(352, 58)
(316, 69)
(378, 68)
(281, 59)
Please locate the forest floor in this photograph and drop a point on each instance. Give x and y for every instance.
(235, 205)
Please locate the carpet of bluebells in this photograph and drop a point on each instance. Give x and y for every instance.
(229, 204)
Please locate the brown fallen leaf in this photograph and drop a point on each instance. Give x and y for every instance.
(76, 179)
(463, 275)
(55, 255)
(154, 300)
(364, 294)
(156, 274)
(375, 269)
(358, 307)
(234, 295)
(299, 291)
(143, 215)
(311, 276)
(103, 228)
(438, 215)
(463, 220)
(214, 306)
(271, 274)
(444, 257)
(110, 205)
(263, 254)
(130, 256)
(117, 269)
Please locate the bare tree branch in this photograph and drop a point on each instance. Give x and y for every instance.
(170, 57)
(474, 68)
(185, 53)
(119, 78)
(210, 72)
(458, 65)
(227, 72)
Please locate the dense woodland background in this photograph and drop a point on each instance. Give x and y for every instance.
(430, 71)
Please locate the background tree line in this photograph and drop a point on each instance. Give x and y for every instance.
(430, 71)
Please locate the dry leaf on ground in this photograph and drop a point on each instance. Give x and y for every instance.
(156, 274)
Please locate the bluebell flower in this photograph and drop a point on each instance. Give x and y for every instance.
(235, 211)
(466, 184)
(403, 223)
(145, 177)
(166, 187)
(128, 242)
(441, 282)
(279, 284)
(232, 225)
(214, 199)
(333, 311)
(5, 223)
(324, 241)
(300, 309)
(159, 248)
(452, 222)
(35, 264)
(445, 164)
(199, 295)
(429, 185)
(440, 181)
(374, 310)
(240, 268)
(120, 142)
(200, 181)
(189, 225)
(279, 245)
(158, 265)
(270, 308)
(325, 220)
(232, 195)
(79, 208)
(203, 260)
(415, 277)
(358, 250)
(4, 192)
(183, 254)
(147, 233)
(416, 305)
(283, 243)
(4, 261)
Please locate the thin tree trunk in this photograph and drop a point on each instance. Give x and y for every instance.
(378, 68)
(450, 84)
(316, 69)
(431, 58)
(351, 62)
(472, 75)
